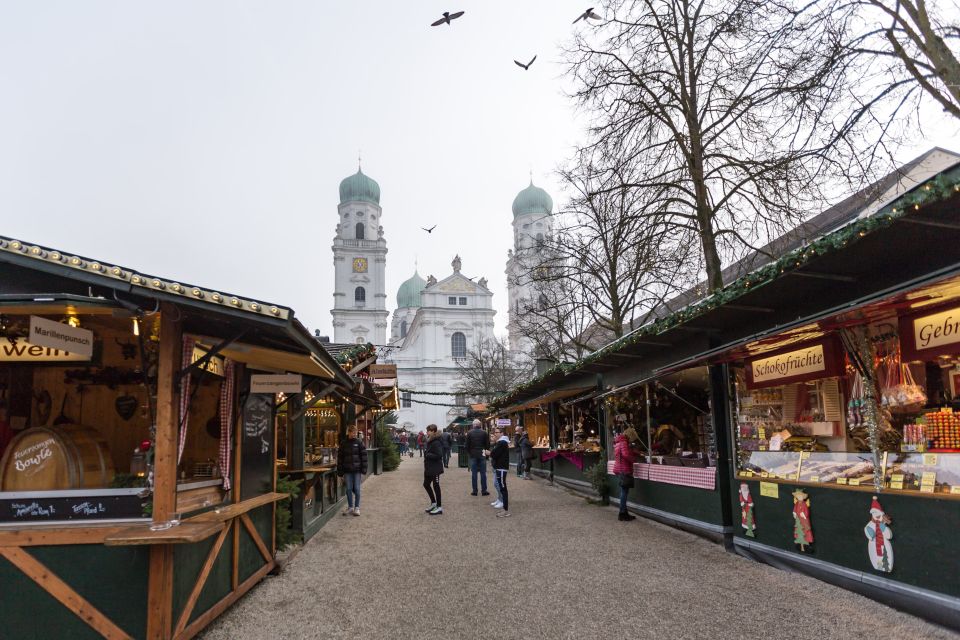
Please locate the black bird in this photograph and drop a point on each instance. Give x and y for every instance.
(526, 67)
(430, 230)
(447, 17)
(587, 14)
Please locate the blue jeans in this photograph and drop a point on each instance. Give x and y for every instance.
(624, 492)
(446, 457)
(478, 465)
(353, 489)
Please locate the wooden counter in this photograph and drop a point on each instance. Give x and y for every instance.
(183, 533)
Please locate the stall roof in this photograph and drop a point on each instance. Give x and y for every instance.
(546, 398)
(899, 246)
(37, 274)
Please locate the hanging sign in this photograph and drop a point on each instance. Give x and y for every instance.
(810, 362)
(503, 422)
(922, 337)
(57, 335)
(770, 489)
(383, 370)
(282, 383)
(19, 350)
(214, 365)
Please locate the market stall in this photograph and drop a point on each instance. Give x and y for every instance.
(137, 445)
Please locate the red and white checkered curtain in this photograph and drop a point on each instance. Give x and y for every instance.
(188, 344)
(226, 423)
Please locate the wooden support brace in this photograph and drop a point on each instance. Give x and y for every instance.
(201, 581)
(64, 594)
(248, 524)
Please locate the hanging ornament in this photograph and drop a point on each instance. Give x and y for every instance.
(802, 530)
(747, 519)
(879, 534)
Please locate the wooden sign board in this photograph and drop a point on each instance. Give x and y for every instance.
(281, 383)
(382, 370)
(60, 336)
(923, 337)
(812, 361)
(19, 350)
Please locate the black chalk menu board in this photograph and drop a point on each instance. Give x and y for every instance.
(256, 449)
(60, 508)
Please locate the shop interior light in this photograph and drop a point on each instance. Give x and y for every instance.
(73, 321)
(136, 326)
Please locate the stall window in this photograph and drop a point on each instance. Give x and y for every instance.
(458, 345)
(360, 231)
(405, 400)
(360, 296)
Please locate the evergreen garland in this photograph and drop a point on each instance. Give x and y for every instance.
(940, 188)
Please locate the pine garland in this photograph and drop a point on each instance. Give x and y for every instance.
(941, 187)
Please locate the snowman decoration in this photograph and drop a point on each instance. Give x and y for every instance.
(879, 534)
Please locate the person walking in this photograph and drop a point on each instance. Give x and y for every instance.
(625, 452)
(433, 469)
(500, 459)
(403, 443)
(524, 453)
(351, 465)
(477, 443)
(447, 441)
(421, 441)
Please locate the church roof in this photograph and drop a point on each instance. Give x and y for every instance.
(533, 199)
(359, 188)
(408, 295)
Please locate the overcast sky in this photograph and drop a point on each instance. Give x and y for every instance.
(204, 141)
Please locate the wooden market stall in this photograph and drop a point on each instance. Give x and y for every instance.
(137, 442)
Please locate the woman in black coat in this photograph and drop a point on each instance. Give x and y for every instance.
(433, 469)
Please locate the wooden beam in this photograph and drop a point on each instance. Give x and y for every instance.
(160, 592)
(64, 594)
(746, 307)
(255, 535)
(931, 223)
(168, 414)
(213, 612)
(56, 535)
(201, 581)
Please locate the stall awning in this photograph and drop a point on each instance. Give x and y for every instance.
(267, 359)
(545, 398)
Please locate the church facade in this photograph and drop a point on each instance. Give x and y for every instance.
(437, 323)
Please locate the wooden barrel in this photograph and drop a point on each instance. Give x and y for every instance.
(68, 456)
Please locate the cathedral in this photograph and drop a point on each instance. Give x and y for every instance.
(437, 322)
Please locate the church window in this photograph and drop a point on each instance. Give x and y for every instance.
(360, 231)
(360, 295)
(458, 345)
(452, 300)
(361, 340)
(526, 226)
(540, 239)
(405, 400)
(462, 301)
(403, 329)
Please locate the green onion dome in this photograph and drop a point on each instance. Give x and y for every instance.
(532, 200)
(408, 295)
(359, 188)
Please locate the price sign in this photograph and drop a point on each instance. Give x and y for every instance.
(854, 482)
(804, 455)
(764, 474)
(896, 484)
(748, 474)
(814, 478)
(955, 489)
(841, 481)
(929, 459)
(770, 489)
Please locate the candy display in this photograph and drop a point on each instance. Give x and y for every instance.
(943, 429)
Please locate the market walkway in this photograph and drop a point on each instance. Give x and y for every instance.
(559, 568)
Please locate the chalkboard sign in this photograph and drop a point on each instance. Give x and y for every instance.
(256, 451)
(55, 509)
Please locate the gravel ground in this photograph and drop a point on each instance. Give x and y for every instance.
(558, 568)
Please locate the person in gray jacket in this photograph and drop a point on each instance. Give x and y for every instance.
(447, 441)
(524, 452)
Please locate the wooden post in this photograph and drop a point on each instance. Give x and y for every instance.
(160, 586)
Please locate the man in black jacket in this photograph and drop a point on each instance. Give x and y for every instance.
(478, 442)
(447, 441)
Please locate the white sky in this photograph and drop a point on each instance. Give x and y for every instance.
(204, 141)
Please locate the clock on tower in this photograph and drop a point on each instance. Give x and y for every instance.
(359, 265)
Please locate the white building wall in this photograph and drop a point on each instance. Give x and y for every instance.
(526, 251)
(359, 263)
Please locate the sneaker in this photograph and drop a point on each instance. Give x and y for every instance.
(484, 493)
(348, 511)
(497, 505)
(503, 514)
(436, 511)
(494, 503)
(356, 511)
(433, 505)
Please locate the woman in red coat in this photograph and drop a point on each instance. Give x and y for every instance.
(625, 452)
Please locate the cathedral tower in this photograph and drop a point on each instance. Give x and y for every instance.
(532, 226)
(359, 261)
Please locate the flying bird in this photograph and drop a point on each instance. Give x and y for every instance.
(430, 230)
(587, 14)
(526, 67)
(447, 17)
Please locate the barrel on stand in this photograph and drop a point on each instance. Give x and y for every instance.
(68, 456)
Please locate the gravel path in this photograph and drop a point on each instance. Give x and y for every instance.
(395, 572)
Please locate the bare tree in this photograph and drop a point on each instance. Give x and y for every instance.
(490, 368)
(609, 263)
(725, 108)
(910, 43)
